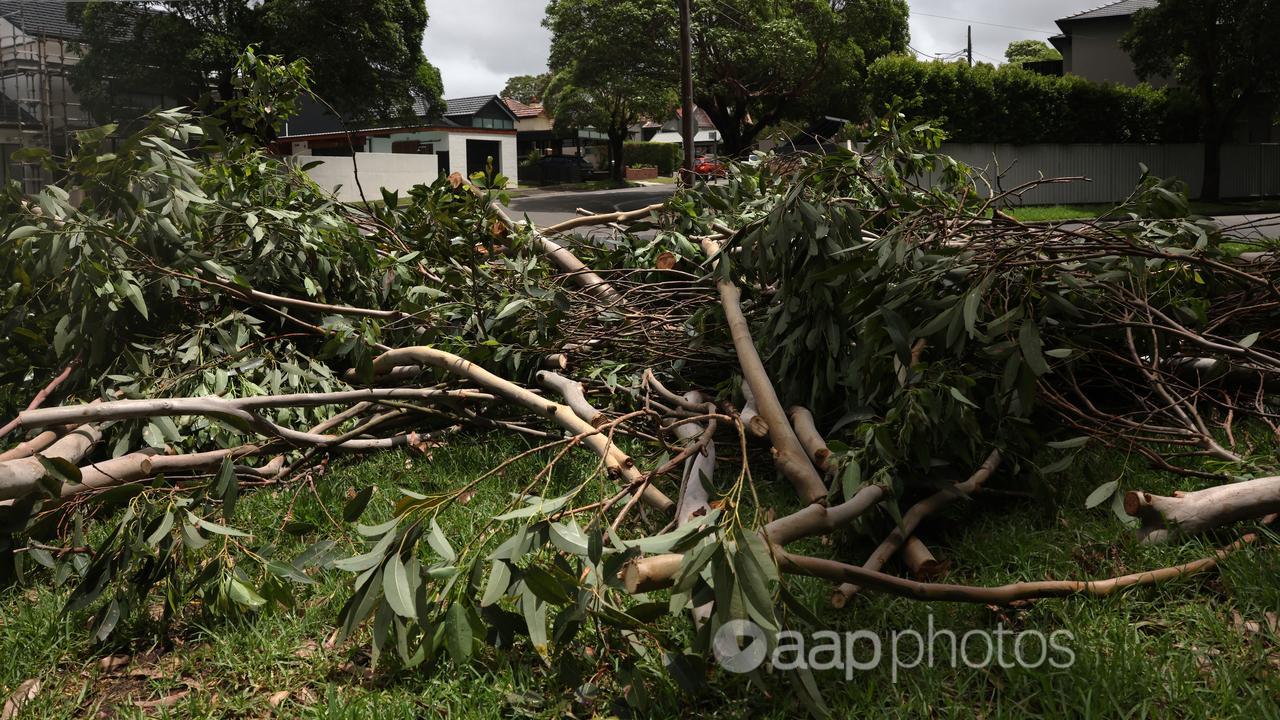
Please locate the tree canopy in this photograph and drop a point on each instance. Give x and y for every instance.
(527, 88)
(1222, 51)
(1023, 51)
(366, 58)
(613, 63)
(758, 62)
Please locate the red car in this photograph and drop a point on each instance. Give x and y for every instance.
(709, 168)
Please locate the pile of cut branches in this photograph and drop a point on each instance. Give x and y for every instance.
(214, 323)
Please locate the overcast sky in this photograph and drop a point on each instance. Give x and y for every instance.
(478, 44)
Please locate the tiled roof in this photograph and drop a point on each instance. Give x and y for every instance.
(1116, 9)
(700, 117)
(521, 110)
(40, 17)
(467, 105)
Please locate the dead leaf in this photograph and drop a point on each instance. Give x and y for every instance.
(277, 698)
(1269, 625)
(164, 702)
(666, 261)
(308, 649)
(112, 663)
(25, 693)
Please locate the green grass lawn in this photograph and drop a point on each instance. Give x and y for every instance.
(1167, 652)
(1052, 213)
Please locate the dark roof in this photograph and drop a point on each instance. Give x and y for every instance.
(11, 113)
(40, 17)
(1124, 8)
(454, 107)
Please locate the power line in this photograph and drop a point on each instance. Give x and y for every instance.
(988, 24)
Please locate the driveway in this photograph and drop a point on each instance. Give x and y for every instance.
(550, 207)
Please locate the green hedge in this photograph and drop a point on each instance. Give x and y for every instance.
(1012, 105)
(664, 156)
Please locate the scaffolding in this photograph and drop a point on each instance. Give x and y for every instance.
(38, 108)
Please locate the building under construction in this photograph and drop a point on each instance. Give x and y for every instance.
(38, 108)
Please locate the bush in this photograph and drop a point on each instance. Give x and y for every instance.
(1013, 105)
(664, 156)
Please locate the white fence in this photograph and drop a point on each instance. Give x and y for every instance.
(1247, 170)
(393, 171)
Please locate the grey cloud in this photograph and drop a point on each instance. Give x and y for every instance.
(478, 44)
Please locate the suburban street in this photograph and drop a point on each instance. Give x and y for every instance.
(550, 207)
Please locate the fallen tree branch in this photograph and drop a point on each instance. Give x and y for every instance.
(1190, 513)
(615, 460)
(20, 477)
(789, 456)
(912, 519)
(810, 439)
(602, 219)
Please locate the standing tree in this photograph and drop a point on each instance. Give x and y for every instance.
(613, 64)
(1025, 51)
(366, 58)
(527, 89)
(1223, 51)
(758, 62)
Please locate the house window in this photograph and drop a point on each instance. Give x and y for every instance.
(492, 123)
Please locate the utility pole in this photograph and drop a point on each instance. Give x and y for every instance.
(686, 93)
(969, 47)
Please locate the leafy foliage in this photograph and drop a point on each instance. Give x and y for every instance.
(1011, 105)
(1024, 51)
(527, 88)
(366, 59)
(758, 62)
(613, 63)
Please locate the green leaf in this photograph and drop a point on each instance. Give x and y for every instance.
(457, 633)
(1249, 340)
(1101, 493)
(539, 507)
(1029, 340)
(496, 586)
(25, 231)
(546, 586)
(356, 505)
(192, 537)
(438, 542)
(227, 487)
(166, 524)
(398, 589)
(955, 393)
(215, 528)
(512, 308)
(1074, 442)
(243, 594)
(57, 472)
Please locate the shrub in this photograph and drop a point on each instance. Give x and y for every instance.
(664, 156)
(1013, 105)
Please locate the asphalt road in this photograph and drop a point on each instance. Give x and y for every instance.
(550, 207)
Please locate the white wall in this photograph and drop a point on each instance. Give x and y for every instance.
(455, 143)
(377, 170)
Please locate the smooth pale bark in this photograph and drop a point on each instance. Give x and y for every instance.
(1195, 512)
(615, 460)
(755, 425)
(920, 561)
(30, 447)
(21, 477)
(240, 409)
(912, 519)
(693, 499)
(603, 219)
(789, 456)
(810, 439)
(574, 395)
(657, 571)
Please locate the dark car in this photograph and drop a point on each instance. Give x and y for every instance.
(565, 169)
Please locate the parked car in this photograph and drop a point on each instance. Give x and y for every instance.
(564, 169)
(709, 168)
